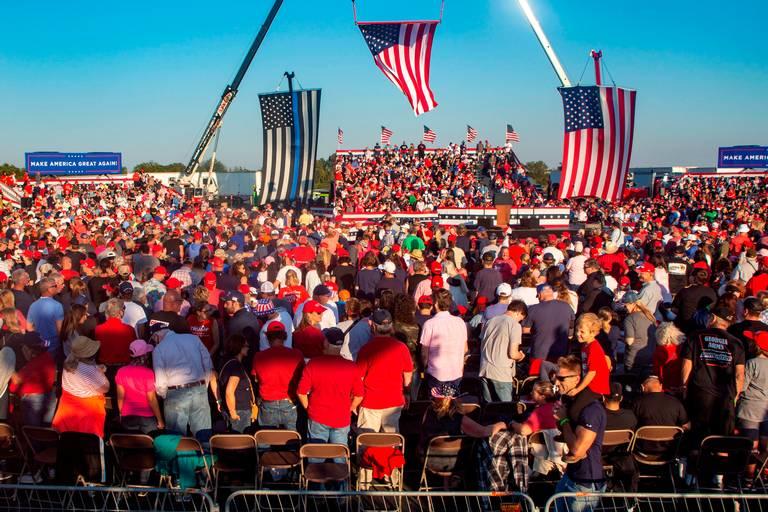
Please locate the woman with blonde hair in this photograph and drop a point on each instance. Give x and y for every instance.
(667, 364)
(82, 407)
(639, 334)
(8, 301)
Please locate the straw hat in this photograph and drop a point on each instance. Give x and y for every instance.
(84, 347)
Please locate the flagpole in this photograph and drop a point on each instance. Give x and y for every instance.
(545, 44)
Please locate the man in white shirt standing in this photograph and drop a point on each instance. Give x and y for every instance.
(443, 344)
(499, 352)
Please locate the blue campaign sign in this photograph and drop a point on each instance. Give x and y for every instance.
(741, 157)
(78, 164)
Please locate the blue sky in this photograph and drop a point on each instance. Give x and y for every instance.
(143, 77)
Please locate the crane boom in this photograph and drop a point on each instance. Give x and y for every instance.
(545, 44)
(229, 93)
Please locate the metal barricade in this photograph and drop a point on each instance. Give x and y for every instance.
(337, 501)
(44, 498)
(652, 502)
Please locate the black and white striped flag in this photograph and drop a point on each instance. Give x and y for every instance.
(291, 122)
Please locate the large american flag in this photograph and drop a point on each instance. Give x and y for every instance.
(599, 124)
(340, 136)
(386, 136)
(402, 52)
(471, 134)
(511, 135)
(291, 122)
(429, 135)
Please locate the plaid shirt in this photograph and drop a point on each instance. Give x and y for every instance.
(497, 457)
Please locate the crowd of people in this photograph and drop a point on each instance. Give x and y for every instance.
(409, 179)
(131, 309)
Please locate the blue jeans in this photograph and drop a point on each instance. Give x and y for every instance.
(496, 390)
(244, 422)
(187, 407)
(319, 433)
(577, 503)
(277, 414)
(38, 409)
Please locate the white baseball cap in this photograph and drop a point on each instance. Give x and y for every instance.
(389, 267)
(504, 290)
(267, 287)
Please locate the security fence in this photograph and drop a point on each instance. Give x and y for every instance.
(651, 502)
(44, 498)
(337, 501)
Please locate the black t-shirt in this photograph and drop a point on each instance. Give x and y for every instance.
(623, 419)
(96, 288)
(386, 283)
(345, 277)
(660, 409)
(714, 354)
(746, 332)
(227, 282)
(23, 300)
(414, 280)
(689, 300)
(678, 270)
(233, 367)
(167, 320)
(172, 247)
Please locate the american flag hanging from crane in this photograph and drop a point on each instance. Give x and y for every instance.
(471, 134)
(386, 136)
(402, 51)
(340, 136)
(599, 125)
(429, 134)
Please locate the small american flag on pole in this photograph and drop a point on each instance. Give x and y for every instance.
(599, 125)
(340, 136)
(386, 136)
(402, 51)
(471, 134)
(429, 135)
(511, 135)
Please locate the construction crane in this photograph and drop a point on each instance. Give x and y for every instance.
(211, 130)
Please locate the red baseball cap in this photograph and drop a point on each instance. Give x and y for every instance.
(161, 270)
(173, 283)
(89, 263)
(436, 268)
(312, 306)
(645, 267)
(276, 326)
(437, 282)
(701, 265)
(244, 289)
(425, 299)
(217, 262)
(209, 280)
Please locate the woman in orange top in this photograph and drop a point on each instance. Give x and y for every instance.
(82, 407)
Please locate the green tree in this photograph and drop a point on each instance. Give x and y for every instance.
(10, 169)
(324, 172)
(538, 172)
(217, 167)
(151, 166)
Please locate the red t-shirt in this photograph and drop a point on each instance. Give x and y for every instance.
(593, 359)
(668, 365)
(330, 382)
(37, 376)
(309, 341)
(277, 371)
(115, 338)
(293, 294)
(382, 361)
